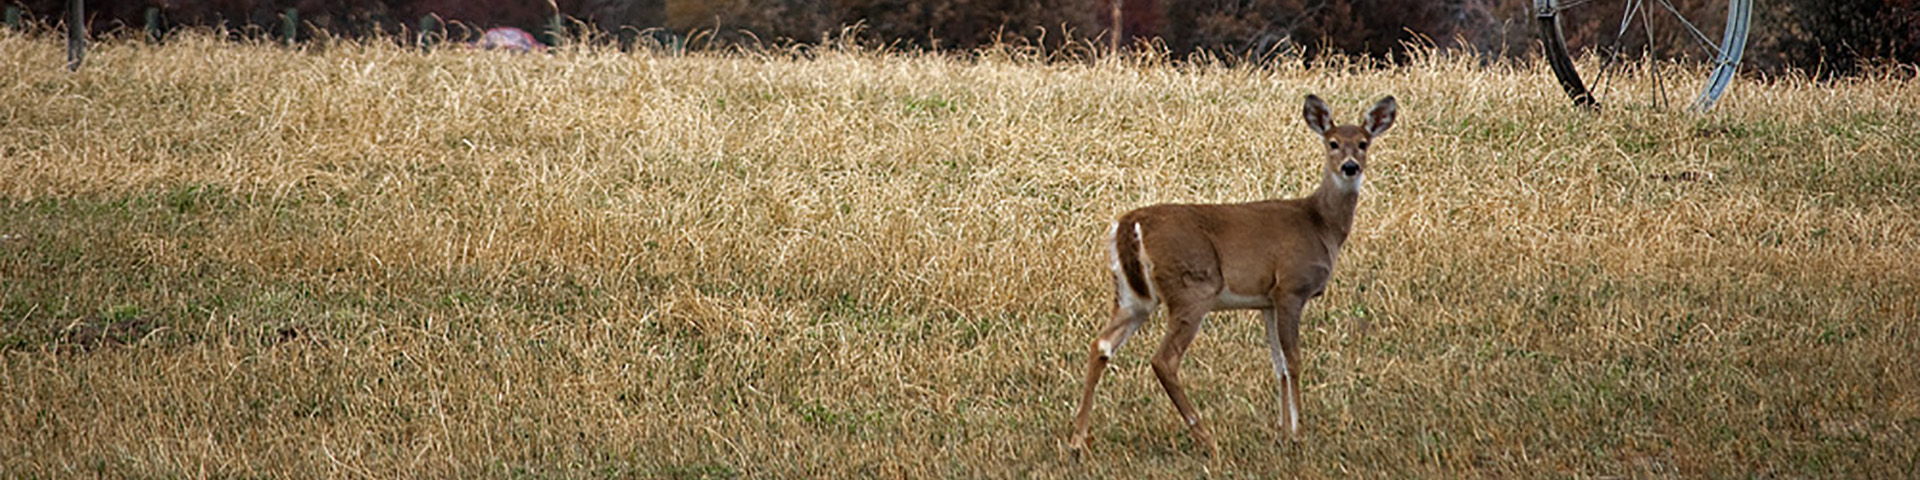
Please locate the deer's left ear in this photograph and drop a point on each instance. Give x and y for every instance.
(1380, 118)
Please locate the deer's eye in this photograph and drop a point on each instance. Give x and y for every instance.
(1333, 145)
(1363, 144)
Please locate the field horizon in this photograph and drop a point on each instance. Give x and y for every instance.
(229, 259)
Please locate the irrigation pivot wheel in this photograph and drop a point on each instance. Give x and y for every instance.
(1671, 34)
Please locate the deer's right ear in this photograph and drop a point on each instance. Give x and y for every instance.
(1317, 116)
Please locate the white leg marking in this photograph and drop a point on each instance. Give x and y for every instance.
(1289, 412)
(1108, 346)
(1293, 410)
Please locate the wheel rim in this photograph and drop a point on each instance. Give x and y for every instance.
(1733, 44)
(1679, 40)
(1556, 51)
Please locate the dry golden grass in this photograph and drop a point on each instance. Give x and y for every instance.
(360, 261)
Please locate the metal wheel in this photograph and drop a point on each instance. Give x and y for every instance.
(1670, 34)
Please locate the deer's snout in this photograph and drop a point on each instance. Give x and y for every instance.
(1350, 168)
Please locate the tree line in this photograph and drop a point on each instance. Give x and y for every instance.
(1829, 36)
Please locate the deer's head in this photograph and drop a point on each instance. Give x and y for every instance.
(1347, 144)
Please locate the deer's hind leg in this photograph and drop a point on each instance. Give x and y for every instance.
(1185, 315)
(1129, 312)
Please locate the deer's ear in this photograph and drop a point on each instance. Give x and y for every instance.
(1380, 118)
(1317, 116)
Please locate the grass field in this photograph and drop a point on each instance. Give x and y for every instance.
(233, 260)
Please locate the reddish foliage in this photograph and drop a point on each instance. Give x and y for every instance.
(1825, 35)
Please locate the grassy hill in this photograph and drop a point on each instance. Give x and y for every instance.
(223, 259)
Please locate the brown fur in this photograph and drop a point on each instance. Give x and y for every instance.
(1271, 255)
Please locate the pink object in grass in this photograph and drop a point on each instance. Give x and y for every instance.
(510, 39)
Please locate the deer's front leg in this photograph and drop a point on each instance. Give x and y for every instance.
(1283, 344)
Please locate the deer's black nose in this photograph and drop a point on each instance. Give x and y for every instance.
(1350, 168)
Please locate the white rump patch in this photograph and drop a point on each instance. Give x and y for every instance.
(1130, 300)
(1146, 264)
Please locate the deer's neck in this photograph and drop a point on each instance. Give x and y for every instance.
(1334, 203)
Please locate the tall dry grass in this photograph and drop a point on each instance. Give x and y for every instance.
(360, 261)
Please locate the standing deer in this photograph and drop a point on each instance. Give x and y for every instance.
(1271, 255)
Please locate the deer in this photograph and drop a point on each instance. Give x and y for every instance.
(1272, 256)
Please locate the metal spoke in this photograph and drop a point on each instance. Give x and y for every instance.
(1715, 49)
(1626, 18)
(1653, 63)
(1608, 65)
